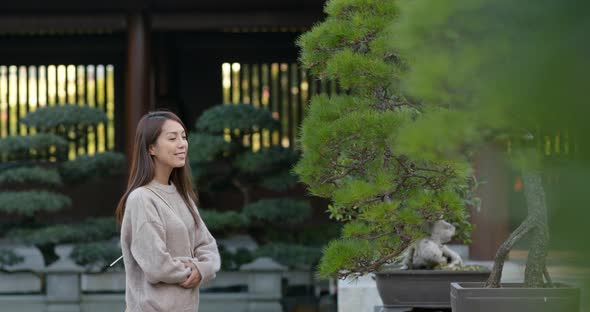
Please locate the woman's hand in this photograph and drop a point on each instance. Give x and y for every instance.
(194, 278)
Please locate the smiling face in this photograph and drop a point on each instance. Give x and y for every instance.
(171, 147)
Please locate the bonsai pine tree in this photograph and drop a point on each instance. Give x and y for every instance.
(36, 166)
(505, 80)
(385, 197)
(221, 161)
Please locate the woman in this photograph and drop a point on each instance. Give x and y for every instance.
(167, 250)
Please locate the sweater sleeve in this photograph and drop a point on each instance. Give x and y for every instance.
(148, 245)
(206, 255)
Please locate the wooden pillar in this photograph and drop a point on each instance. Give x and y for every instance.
(491, 219)
(138, 93)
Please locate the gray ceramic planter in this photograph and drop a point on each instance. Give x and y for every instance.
(512, 297)
(422, 288)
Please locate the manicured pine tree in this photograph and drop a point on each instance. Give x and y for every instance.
(222, 160)
(34, 168)
(352, 154)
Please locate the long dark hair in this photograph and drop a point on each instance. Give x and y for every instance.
(142, 169)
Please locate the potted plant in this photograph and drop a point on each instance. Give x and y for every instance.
(503, 83)
(353, 155)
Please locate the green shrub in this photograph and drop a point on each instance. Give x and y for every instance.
(90, 166)
(205, 147)
(96, 255)
(279, 210)
(265, 160)
(223, 221)
(37, 161)
(233, 260)
(240, 117)
(66, 115)
(27, 203)
(9, 257)
(30, 175)
(90, 230)
(27, 147)
(279, 182)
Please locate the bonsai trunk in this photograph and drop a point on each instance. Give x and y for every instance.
(243, 189)
(535, 196)
(48, 253)
(536, 222)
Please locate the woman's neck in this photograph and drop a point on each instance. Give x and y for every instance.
(162, 174)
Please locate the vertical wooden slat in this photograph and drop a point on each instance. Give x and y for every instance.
(271, 101)
(39, 87)
(299, 116)
(25, 95)
(296, 104)
(17, 102)
(7, 99)
(102, 136)
(84, 97)
(110, 103)
(231, 83)
(4, 101)
(251, 84)
(71, 99)
(14, 85)
(289, 115)
(280, 103)
(260, 96)
(32, 91)
(50, 84)
(241, 83)
(251, 94)
(25, 79)
(101, 101)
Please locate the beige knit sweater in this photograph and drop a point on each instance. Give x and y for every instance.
(157, 233)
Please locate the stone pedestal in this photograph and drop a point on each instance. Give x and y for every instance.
(63, 282)
(264, 284)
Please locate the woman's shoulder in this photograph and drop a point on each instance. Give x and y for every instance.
(138, 194)
(140, 202)
(141, 196)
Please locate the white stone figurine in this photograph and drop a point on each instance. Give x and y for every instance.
(431, 252)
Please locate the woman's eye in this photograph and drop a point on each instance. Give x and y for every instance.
(184, 138)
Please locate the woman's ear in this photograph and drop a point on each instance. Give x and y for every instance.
(152, 150)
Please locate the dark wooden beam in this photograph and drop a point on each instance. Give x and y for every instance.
(154, 5)
(203, 21)
(138, 95)
(44, 24)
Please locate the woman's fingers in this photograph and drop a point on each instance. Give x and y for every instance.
(193, 279)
